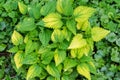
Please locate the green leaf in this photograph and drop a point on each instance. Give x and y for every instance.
(71, 25)
(64, 45)
(2, 47)
(99, 33)
(65, 7)
(83, 69)
(82, 13)
(118, 42)
(59, 56)
(69, 63)
(64, 77)
(30, 58)
(53, 20)
(47, 57)
(17, 38)
(43, 50)
(28, 24)
(57, 36)
(49, 7)
(18, 58)
(112, 37)
(34, 11)
(30, 46)
(53, 71)
(77, 42)
(33, 71)
(22, 7)
(50, 78)
(86, 59)
(45, 37)
(92, 67)
(13, 49)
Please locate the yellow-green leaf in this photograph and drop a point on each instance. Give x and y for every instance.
(83, 70)
(92, 67)
(84, 50)
(22, 7)
(17, 38)
(83, 13)
(53, 20)
(33, 71)
(99, 33)
(53, 71)
(59, 56)
(57, 35)
(83, 25)
(18, 58)
(77, 42)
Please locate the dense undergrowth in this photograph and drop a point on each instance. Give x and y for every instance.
(106, 52)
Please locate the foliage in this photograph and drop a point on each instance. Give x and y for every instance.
(55, 28)
(54, 39)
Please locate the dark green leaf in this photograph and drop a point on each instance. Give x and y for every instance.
(26, 25)
(49, 7)
(2, 47)
(45, 37)
(71, 25)
(30, 58)
(47, 57)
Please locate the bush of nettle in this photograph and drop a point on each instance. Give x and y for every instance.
(54, 40)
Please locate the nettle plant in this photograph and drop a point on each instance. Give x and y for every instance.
(54, 40)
